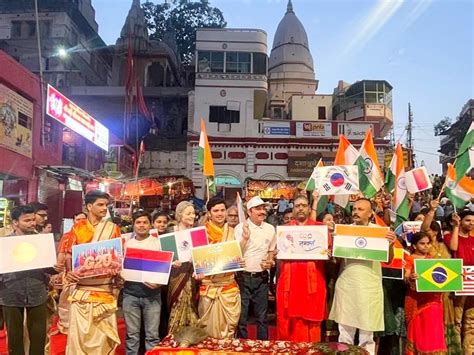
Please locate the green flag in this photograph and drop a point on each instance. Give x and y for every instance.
(438, 275)
(465, 157)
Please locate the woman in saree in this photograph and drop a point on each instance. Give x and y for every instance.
(423, 310)
(181, 288)
(439, 250)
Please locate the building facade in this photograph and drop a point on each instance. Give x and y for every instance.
(267, 122)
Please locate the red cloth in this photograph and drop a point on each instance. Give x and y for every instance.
(301, 298)
(465, 248)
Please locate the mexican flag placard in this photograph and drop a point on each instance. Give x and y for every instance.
(438, 275)
(181, 242)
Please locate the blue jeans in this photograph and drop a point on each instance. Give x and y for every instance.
(253, 289)
(134, 308)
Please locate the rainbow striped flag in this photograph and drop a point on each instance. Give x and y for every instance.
(143, 265)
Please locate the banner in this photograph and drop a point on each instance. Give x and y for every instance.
(361, 242)
(16, 122)
(217, 258)
(27, 252)
(337, 180)
(181, 242)
(438, 275)
(302, 242)
(417, 180)
(467, 282)
(97, 259)
(144, 265)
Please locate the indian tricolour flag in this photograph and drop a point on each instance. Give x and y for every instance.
(311, 185)
(370, 176)
(458, 192)
(400, 194)
(465, 157)
(346, 155)
(181, 242)
(205, 158)
(361, 242)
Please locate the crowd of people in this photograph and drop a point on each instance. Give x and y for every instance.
(314, 298)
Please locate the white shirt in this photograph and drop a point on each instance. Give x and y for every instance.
(150, 243)
(262, 240)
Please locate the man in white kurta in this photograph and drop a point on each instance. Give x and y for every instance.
(358, 296)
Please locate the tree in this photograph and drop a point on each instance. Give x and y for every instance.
(442, 126)
(183, 17)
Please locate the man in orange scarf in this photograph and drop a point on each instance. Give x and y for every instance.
(301, 289)
(93, 322)
(219, 301)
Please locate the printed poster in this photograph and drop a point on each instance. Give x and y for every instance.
(302, 242)
(27, 252)
(217, 258)
(97, 259)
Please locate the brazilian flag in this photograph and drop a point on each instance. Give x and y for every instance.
(438, 275)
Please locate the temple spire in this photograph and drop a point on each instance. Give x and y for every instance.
(289, 7)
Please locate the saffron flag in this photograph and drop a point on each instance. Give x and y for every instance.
(27, 252)
(337, 180)
(181, 242)
(370, 178)
(417, 180)
(465, 157)
(143, 265)
(400, 195)
(467, 282)
(459, 192)
(361, 242)
(438, 275)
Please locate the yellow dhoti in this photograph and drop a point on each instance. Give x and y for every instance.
(219, 309)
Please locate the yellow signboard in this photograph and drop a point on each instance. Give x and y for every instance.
(16, 120)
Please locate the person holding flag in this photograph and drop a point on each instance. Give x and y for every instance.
(358, 297)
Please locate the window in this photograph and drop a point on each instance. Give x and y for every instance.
(16, 29)
(321, 112)
(220, 114)
(277, 113)
(31, 28)
(211, 62)
(237, 62)
(45, 29)
(260, 63)
(24, 120)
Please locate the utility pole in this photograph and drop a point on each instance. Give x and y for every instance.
(410, 137)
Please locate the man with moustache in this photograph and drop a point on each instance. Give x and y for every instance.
(358, 296)
(232, 216)
(257, 241)
(41, 215)
(301, 288)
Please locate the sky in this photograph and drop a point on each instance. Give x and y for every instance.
(423, 48)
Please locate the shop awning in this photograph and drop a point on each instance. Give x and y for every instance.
(64, 170)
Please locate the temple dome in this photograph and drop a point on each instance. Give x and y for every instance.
(290, 46)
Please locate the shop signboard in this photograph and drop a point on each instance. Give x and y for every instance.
(16, 122)
(313, 129)
(302, 165)
(355, 130)
(73, 117)
(276, 129)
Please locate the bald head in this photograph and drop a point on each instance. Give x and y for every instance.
(362, 212)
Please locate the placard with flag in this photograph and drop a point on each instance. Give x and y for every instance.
(467, 282)
(181, 242)
(337, 180)
(144, 265)
(417, 180)
(217, 258)
(361, 242)
(394, 269)
(27, 252)
(439, 275)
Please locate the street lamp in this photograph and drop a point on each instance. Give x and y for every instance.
(62, 53)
